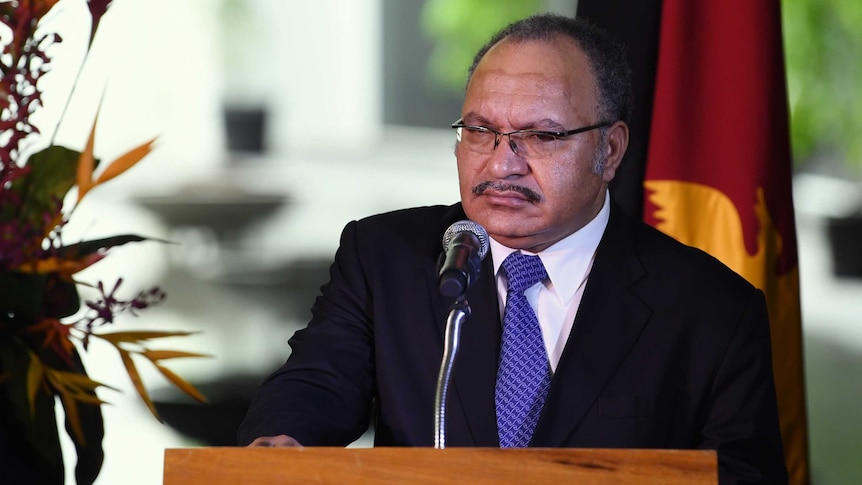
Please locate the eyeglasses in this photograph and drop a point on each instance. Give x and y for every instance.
(532, 144)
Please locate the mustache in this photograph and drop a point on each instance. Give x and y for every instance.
(529, 194)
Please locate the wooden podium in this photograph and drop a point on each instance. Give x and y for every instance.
(476, 466)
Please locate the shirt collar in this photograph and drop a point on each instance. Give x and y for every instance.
(568, 260)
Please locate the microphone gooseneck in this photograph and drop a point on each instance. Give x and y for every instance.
(459, 313)
(465, 245)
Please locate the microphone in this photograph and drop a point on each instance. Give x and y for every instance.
(465, 245)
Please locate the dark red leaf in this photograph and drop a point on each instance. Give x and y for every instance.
(97, 10)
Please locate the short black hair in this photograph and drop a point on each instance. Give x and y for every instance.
(607, 57)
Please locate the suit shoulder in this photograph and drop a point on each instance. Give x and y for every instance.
(414, 221)
(415, 229)
(689, 265)
(412, 215)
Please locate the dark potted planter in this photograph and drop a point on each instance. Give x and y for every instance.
(845, 240)
(245, 128)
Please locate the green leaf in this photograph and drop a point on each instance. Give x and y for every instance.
(61, 297)
(31, 296)
(823, 54)
(458, 28)
(36, 436)
(21, 294)
(75, 251)
(35, 378)
(89, 417)
(52, 175)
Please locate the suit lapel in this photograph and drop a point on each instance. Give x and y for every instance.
(608, 323)
(475, 372)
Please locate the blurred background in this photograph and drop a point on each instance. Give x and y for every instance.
(278, 122)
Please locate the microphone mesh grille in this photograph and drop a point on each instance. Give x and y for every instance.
(472, 227)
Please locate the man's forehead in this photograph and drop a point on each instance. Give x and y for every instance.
(542, 71)
(505, 79)
(559, 58)
(558, 51)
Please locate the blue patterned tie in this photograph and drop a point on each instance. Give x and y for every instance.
(523, 377)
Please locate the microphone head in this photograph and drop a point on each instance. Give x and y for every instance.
(472, 227)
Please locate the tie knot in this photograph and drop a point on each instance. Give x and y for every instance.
(523, 271)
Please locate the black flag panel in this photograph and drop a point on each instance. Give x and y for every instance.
(636, 25)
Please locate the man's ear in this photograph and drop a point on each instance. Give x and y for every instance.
(618, 141)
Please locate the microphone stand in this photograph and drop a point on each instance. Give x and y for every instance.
(459, 312)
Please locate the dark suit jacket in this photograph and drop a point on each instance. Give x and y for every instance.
(669, 349)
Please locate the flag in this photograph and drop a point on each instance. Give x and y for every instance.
(717, 171)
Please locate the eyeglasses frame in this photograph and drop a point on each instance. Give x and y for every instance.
(498, 135)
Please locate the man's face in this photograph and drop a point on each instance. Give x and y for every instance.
(533, 203)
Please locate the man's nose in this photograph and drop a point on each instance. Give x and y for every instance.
(506, 163)
(513, 145)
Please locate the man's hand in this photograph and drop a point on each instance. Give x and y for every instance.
(271, 441)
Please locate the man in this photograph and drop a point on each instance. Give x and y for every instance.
(644, 342)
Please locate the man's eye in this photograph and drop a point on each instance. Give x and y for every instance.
(479, 131)
(543, 137)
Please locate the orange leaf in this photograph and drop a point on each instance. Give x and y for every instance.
(138, 383)
(75, 388)
(86, 164)
(125, 161)
(72, 417)
(59, 265)
(117, 338)
(182, 384)
(80, 385)
(156, 355)
(35, 376)
(56, 334)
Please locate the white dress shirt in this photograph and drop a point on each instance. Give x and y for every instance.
(556, 300)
